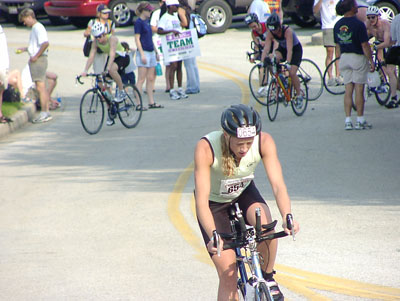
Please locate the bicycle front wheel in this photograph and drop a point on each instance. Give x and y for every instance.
(335, 88)
(263, 293)
(299, 104)
(313, 78)
(274, 95)
(258, 83)
(92, 111)
(130, 110)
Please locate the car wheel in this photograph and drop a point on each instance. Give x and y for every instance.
(13, 19)
(388, 10)
(79, 22)
(120, 13)
(217, 14)
(55, 20)
(304, 21)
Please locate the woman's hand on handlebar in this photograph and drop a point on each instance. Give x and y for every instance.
(84, 74)
(290, 225)
(215, 245)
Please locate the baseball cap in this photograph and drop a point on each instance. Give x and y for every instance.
(149, 7)
(102, 8)
(172, 2)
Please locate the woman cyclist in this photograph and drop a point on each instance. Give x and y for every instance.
(225, 162)
(289, 48)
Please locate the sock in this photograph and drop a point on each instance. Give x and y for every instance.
(348, 119)
(268, 276)
(180, 89)
(360, 119)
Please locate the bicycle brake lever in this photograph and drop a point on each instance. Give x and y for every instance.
(290, 225)
(216, 242)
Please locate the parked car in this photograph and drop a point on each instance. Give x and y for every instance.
(218, 13)
(388, 8)
(11, 8)
(81, 11)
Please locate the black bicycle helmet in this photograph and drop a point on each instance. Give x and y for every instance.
(241, 121)
(273, 21)
(250, 18)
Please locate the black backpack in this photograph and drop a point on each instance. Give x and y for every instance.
(11, 95)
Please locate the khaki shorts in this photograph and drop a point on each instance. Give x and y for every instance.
(327, 37)
(354, 68)
(38, 69)
(3, 79)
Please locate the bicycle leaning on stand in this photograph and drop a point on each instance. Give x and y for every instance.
(280, 89)
(129, 110)
(244, 240)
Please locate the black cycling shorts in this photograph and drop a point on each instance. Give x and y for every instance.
(393, 56)
(297, 54)
(220, 211)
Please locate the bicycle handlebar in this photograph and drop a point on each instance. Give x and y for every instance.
(101, 77)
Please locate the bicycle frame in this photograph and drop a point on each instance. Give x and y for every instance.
(251, 257)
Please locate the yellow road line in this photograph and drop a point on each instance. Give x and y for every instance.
(296, 280)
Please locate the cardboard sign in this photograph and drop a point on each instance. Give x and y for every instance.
(177, 48)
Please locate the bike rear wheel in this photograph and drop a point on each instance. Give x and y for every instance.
(382, 93)
(299, 106)
(336, 88)
(313, 78)
(92, 111)
(258, 78)
(273, 98)
(130, 110)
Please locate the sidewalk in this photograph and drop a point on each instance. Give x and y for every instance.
(20, 119)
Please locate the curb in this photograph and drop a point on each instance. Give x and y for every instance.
(316, 39)
(20, 119)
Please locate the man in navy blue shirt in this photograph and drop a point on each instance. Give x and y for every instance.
(352, 46)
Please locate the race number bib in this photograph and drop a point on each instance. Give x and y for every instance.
(246, 132)
(232, 188)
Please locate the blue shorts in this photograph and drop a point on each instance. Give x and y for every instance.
(151, 59)
(128, 78)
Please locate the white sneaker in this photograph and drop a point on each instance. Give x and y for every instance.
(121, 95)
(348, 126)
(110, 121)
(182, 93)
(339, 81)
(262, 91)
(174, 95)
(362, 125)
(43, 117)
(331, 82)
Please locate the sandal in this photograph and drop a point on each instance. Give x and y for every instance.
(155, 106)
(4, 119)
(140, 108)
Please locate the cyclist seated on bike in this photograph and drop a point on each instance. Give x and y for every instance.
(289, 48)
(117, 59)
(225, 162)
(258, 33)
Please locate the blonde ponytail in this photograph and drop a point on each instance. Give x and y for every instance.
(228, 161)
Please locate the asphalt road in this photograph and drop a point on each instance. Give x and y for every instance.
(110, 216)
